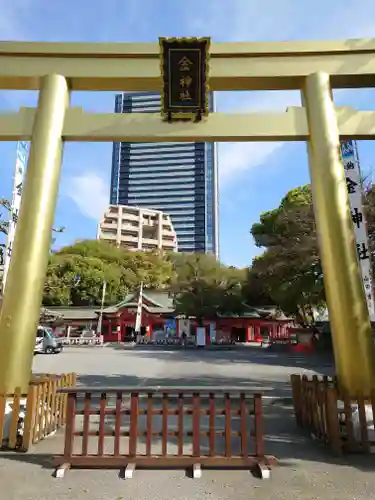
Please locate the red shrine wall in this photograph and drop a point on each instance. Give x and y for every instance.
(117, 327)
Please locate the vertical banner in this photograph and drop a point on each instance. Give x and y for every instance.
(354, 186)
(138, 319)
(100, 322)
(184, 327)
(22, 151)
(212, 332)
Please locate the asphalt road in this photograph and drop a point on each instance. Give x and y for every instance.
(305, 469)
(251, 367)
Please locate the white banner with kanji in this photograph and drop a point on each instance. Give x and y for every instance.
(355, 192)
(22, 152)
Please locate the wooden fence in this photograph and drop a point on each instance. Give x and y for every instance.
(342, 421)
(25, 419)
(163, 426)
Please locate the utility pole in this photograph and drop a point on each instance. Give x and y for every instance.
(99, 327)
(138, 320)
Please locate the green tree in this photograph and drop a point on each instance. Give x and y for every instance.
(77, 280)
(369, 206)
(254, 290)
(290, 269)
(203, 287)
(98, 261)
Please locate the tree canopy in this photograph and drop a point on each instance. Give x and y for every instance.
(289, 271)
(290, 267)
(76, 273)
(201, 285)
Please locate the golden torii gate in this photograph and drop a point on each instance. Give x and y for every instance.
(56, 69)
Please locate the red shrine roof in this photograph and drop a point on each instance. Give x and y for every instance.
(265, 312)
(153, 301)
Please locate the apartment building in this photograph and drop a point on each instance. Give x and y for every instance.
(136, 228)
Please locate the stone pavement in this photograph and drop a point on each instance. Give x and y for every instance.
(305, 470)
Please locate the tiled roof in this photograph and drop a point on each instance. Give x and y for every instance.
(160, 302)
(155, 302)
(74, 313)
(265, 312)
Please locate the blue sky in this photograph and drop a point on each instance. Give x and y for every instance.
(253, 176)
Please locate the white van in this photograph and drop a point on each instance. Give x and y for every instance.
(46, 342)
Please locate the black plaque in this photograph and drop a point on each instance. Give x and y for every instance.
(184, 65)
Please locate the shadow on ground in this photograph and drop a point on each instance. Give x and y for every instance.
(321, 363)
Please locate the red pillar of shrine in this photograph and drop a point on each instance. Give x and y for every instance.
(117, 322)
(257, 336)
(272, 331)
(249, 334)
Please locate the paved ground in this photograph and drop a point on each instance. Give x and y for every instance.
(305, 470)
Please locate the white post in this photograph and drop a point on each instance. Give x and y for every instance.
(160, 230)
(99, 327)
(140, 229)
(138, 319)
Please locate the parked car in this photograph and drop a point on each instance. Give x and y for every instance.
(46, 342)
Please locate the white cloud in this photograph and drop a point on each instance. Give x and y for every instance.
(90, 193)
(235, 158)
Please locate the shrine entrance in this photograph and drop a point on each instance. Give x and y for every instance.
(314, 68)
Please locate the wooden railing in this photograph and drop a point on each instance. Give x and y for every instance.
(163, 426)
(25, 419)
(343, 421)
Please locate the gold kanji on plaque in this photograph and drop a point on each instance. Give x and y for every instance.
(184, 64)
(185, 95)
(186, 81)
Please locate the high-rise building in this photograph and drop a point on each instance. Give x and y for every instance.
(137, 229)
(179, 179)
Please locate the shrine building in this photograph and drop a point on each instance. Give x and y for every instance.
(158, 318)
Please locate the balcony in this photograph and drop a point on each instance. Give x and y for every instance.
(129, 217)
(167, 244)
(169, 233)
(106, 235)
(125, 226)
(128, 238)
(150, 241)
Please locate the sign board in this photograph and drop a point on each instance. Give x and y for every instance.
(171, 326)
(355, 193)
(184, 67)
(201, 337)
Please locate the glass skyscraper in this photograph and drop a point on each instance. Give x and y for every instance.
(180, 179)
